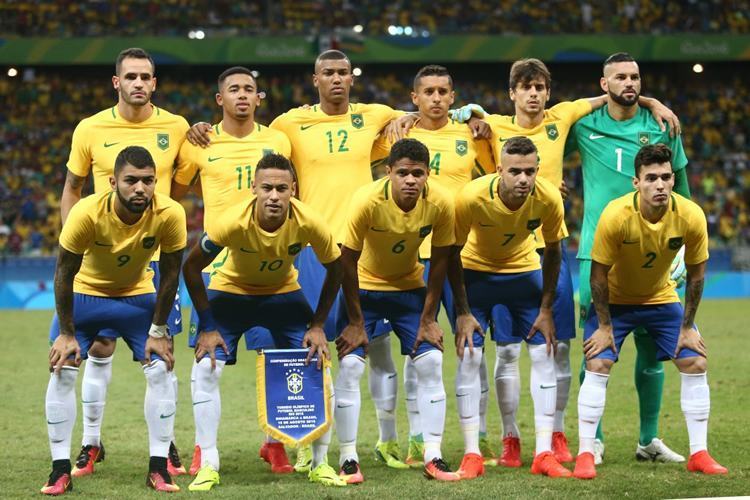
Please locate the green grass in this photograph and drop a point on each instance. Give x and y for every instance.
(25, 457)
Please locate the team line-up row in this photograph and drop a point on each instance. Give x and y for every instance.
(273, 263)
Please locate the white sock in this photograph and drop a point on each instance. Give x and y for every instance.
(207, 409)
(383, 386)
(348, 402)
(192, 392)
(591, 399)
(412, 406)
(484, 396)
(468, 390)
(60, 407)
(175, 387)
(158, 407)
(695, 401)
(543, 386)
(562, 371)
(96, 376)
(431, 399)
(508, 386)
(320, 446)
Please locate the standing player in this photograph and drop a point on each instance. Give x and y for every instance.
(455, 158)
(636, 239)
(530, 89)
(257, 286)
(496, 219)
(103, 281)
(388, 221)
(608, 140)
(134, 120)
(226, 175)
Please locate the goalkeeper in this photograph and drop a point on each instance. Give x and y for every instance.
(608, 140)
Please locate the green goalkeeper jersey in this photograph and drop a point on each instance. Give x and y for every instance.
(608, 148)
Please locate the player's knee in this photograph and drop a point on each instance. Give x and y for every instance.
(470, 364)
(206, 378)
(379, 356)
(562, 359)
(507, 360)
(599, 365)
(156, 374)
(692, 365)
(351, 369)
(102, 347)
(429, 368)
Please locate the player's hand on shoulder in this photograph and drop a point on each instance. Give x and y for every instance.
(603, 338)
(480, 129)
(663, 115)
(690, 339)
(429, 331)
(207, 343)
(399, 128)
(62, 348)
(564, 190)
(351, 337)
(465, 113)
(200, 134)
(466, 325)
(545, 324)
(316, 343)
(160, 346)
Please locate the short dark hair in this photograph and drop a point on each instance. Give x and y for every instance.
(137, 156)
(275, 161)
(432, 70)
(525, 70)
(235, 70)
(617, 57)
(411, 149)
(519, 145)
(652, 154)
(331, 55)
(135, 53)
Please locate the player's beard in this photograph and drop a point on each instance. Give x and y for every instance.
(133, 208)
(133, 102)
(624, 101)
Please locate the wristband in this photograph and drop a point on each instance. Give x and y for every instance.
(206, 321)
(158, 331)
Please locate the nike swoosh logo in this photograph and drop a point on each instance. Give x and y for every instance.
(392, 375)
(594, 137)
(214, 159)
(305, 127)
(486, 225)
(436, 400)
(626, 242)
(100, 244)
(109, 145)
(201, 402)
(346, 406)
(167, 416)
(87, 402)
(653, 371)
(378, 230)
(248, 251)
(54, 423)
(462, 395)
(542, 386)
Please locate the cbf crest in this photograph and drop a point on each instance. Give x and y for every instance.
(162, 141)
(552, 133)
(358, 120)
(462, 147)
(643, 138)
(294, 381)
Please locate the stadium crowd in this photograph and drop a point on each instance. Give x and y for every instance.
(39, 111)
(178, 17)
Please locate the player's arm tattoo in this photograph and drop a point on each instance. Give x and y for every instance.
(693, 292)
(435, 280)
(331, 285)
(169, 280)
(68, 264)
(350, 284)
(201, 255)
(71, 193)
(456, 280)
(550, 272)
(600, 292)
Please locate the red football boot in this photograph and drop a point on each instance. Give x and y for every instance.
(274, 454)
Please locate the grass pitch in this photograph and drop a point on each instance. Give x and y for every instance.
(25, 459)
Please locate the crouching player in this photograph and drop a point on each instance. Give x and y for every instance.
(388, 221)
(504, 285)
(103, 281)
(257, 286)
(636, 239)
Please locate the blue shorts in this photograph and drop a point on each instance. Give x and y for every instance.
(285, 315)
(402, 309)
(509, 303)
(564, 309)
(126, 317)
(255, 338)
(311, 276)
(661, 321)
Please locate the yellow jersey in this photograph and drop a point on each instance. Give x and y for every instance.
(641, 253)
(499, 240)
(261, 263)
(331, 154)
(98, 139)
(389, 238)
(455, 159)
(227, 167)
(116, 255)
